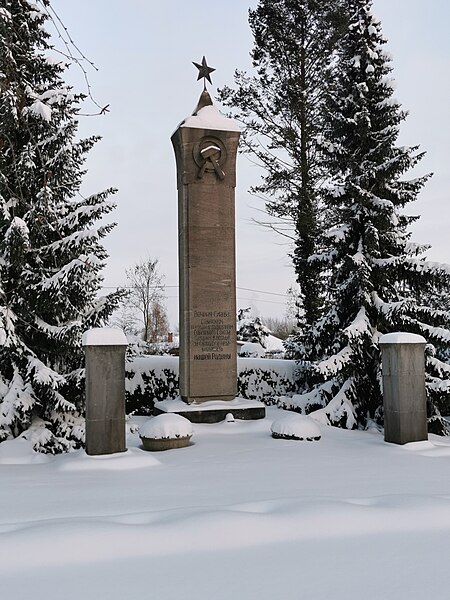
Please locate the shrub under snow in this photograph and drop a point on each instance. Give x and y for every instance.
(168, 426)
(295, 427)
(150, 379)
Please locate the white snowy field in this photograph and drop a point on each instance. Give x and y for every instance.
(237, 515)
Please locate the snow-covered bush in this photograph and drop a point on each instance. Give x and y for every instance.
(251, 329)
(148, 380)
(295, 427)
(266, 379)
(153, 378)
(168, 426)
(166, 432)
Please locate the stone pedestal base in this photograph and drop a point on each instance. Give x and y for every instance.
(213, 411)
(105, 390)
(404, 394)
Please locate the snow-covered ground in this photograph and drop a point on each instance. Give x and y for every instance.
(235, 516)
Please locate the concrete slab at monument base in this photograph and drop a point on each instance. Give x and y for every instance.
(213, 411)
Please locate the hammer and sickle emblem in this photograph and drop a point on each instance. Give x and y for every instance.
(210, 156)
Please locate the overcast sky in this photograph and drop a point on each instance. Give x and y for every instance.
(144, 51)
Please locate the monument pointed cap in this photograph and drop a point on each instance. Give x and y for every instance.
(204, 100)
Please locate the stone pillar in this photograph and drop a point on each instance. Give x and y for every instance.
(105, 390)
(205, 148)
(404, 395)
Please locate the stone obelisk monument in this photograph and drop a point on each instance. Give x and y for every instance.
(205, 147)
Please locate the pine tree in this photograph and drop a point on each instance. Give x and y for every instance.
(281, 107)
(50, 252)
(251, 329)
(379, 281)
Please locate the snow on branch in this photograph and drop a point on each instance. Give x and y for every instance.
(441, 386)
(5, 14)
(325, 257)
(62, 404)
(75, 239)
(335, 363)
(302, 403)
(18, 398)
(57, 331)
(426, 266)
(339, 411)
(39, 435)
(43, 375)
(359, 325)
(18, 229)
(389, 309)
(390, 261)
(337, 233)
(86, 212)
(63, 275)
(438, 333)
(7, 330)
(39, 109)
(381, 203)
(441, 368)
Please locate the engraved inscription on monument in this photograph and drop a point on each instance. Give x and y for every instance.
(211, 335)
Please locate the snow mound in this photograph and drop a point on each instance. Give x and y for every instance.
(296, 427)
(252, 350)
(166, 426)
(273, 344)
(133, 458)
(20, 452)
(427, 448)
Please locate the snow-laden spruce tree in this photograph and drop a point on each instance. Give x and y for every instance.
(251, 329)
(379, 281)
(50, 249)
(281, 105)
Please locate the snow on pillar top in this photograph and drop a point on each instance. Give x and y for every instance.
(401, 337)
(207, 116)
(104, 336)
